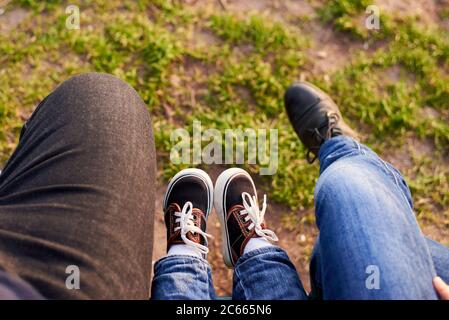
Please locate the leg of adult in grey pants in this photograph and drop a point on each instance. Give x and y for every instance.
(79, 190)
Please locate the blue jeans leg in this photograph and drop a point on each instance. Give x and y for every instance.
(267, 274)
(438, 252)
(440, 258)
(370, 245)
(182, 277)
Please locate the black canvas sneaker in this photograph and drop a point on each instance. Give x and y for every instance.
(238, 210)
(314, 116)
(187, 205)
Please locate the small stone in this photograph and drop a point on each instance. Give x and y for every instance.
(175, 80)
(322, 54)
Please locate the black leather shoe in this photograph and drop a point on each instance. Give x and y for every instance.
(314, 116)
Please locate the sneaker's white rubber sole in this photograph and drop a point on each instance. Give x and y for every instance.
(220, 205)
(196, 173)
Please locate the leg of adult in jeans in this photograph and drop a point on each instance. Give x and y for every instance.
(79, 190)
(267, 274)
(367, 229)
(440, 258)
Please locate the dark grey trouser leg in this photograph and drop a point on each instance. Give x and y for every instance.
(79, 190)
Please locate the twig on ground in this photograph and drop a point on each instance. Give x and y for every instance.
(222, 4)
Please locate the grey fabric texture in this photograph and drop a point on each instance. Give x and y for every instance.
(79, 190)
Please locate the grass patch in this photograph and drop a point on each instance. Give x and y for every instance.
(398, 90)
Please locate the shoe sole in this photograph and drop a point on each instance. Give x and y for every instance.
(220, 205)
(193, 172)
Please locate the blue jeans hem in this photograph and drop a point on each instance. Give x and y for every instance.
(249, 255)
(180, 256)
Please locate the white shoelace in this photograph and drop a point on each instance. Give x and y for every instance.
(256, 216)
(186, 224)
